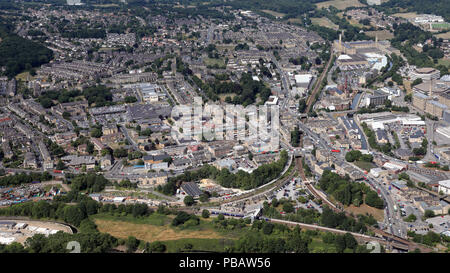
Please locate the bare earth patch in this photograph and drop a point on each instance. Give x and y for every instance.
(150, 233)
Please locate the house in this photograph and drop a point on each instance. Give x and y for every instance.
(110, 129)
(98, 145)
(381, 136)
(154, 159)
(153, 179)
(106, 161)
(82, 149)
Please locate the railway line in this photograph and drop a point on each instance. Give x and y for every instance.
(395, 241)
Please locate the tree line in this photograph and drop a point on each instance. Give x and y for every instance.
(347, 192)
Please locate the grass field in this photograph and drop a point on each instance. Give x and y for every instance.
(340, 4)
(407, 15)
(378, 214)
(407, 85)
(295, 20)
(24, 76)
(445, 35)
(318, 246)
(210, 61)
(157, 227)
(445, 62)
(273, 13)
(382, 34)
(324, 22)
(364, 165)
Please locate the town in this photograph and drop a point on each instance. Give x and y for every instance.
(354, 141)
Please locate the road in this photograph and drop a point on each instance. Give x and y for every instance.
(130, 140)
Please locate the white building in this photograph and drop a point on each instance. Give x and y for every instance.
(444, 186)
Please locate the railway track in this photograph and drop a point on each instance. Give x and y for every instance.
(398, 242)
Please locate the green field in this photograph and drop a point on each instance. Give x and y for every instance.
(364, 165)
(212, 62)
(324, 22)
(445, 35)
(441, 26)
(340, 4)
(445, 62)
(273, 13)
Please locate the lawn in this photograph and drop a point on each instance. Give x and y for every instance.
(273, 13)
(364, 165)
(24, 76)
(157, 227)
(324, 22)
(340, 4)
(407, 85)
(444, 61)
(445, 35)
(295, 20)
(211, 62)
(318, 246)
(407, 15)
(364, 209)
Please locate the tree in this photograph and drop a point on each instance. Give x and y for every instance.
(204, 197)
(205, 213)
(131, 244)
(156, 247)
(288, 207)
(96, 132)
(189, 201)
(130, 99)
(350, 241)
(339, 242)
(267, 228)
(120, 152)
(429, 213)
(60, 165)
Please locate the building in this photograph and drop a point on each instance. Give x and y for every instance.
(302, 82)
(153, 179)
(432, 88)
(444, 98)
(381, 136)
(425, 73)
(7, 86)
(192, 189)
(435, 108)
(349, 61)
(419, 100)
(354, 47)
(378, 98)
(444, 186)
